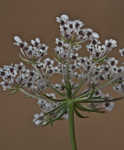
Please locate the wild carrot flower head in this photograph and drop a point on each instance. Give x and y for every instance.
(81, 78)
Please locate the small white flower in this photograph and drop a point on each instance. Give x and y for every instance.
(37, 40)
(37, 122)
(78, 24)
(17, 39)
(112, 61)
(63, 17)
(52, 95)
(65, 116)
(109, 106)
(110, 44)
(48, 62)
(40, 101)
(36, 116)
(121, 51)
(95, 35)
(32, 42)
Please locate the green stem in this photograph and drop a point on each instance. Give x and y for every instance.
(34, 96)
(72, 127)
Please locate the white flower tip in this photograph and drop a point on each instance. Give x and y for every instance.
(17, 39)
(121, 50)
(39, 102)
(64, 16)
(37, 40)
(95, 35)
(36, 116)
(37, 122)
(41, 114)
(110, 107)
(66, 116)
(32, 42)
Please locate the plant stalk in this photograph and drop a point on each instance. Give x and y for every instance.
(72, 126)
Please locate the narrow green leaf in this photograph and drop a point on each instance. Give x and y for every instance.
(58, 92)
(85, 108)
(79, 114)
(102, 100)
(12, 92)
(100, 60)
(58, 117)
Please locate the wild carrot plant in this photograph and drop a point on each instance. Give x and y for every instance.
(80, 82)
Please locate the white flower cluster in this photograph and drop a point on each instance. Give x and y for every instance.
(93, 70)
(33, 50)
(73, 29)
(19, 76)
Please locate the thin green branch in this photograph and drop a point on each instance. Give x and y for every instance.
(109, 82)
(57, 117)
(29, 94)
(93, 100)
(53, 99)
(56, 108)
(58, 92)
(87, 109)
(67, 82)
(34, 96)
(84, 93)
(48, 82)
(78, 88)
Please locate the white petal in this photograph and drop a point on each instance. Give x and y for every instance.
(95, 35)
(110, 107)
(37, 122)
(17, 39)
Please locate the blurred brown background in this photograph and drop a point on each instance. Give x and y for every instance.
(32, 18)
